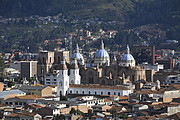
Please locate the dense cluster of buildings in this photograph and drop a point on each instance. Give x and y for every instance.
(61, 85)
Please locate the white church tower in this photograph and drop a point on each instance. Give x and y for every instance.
(74, 77)
(63, 79)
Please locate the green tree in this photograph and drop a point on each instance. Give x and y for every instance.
(59, 117)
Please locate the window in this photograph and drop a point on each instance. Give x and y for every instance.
(114, 93)
(60, 83)
(58, 59)
(89, 92)
(76, 92)
(119, 94)
(95, 92)
(47, 79)
(70, 91)
(54, 79)
(44, 60)
(82, 92)
(47, 82)
(60, 92)
(50, 60)
(91, 79)
(101, 93)
(109, 93)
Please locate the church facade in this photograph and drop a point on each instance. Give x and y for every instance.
(70, 73)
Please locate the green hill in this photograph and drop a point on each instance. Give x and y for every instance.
(134, 12)
(128, 14)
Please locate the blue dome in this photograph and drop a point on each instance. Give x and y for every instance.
(102, 53)
(77, 55)
(127, 57)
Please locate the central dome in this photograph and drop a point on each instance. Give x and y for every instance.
(76, 55)
(102, 56)
(127, 57)
(102, 53)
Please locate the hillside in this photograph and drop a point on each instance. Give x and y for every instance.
(164, 15)
(135, 12)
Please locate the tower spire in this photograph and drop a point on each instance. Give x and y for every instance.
(77, 48)
(102, 44)
(63, 64)
(128, 51)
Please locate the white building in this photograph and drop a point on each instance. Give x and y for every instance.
(97, 89)
(156, 66)
(173, 79)
(71, 84)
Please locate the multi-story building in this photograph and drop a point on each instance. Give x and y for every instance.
(173, 79)
(28, 69)
(47, 59)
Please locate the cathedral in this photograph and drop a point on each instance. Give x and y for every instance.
(58, 68)
(117, 73)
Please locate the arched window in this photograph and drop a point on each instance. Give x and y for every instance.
(114, 93)
(50, 59)
(60, 83)
(101, 93)
(76, 92)
(82, 92)
(89, 92)
(103, 82)
(91, 79)
(109, 93)
(70, 91)
(44, 60)
(95, 92)
(60, 92)
(58, 59)
(72, 82)
(119, 94)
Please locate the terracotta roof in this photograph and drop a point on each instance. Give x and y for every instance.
(174, 116)
(32, 97)
(107, 100)
(98, 86)
(113, 96)
(24, 113)
(123, 97)
(124, 102)
(165, 105)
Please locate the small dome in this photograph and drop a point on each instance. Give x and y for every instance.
(126, 57)
(102, 53)
(77, 56)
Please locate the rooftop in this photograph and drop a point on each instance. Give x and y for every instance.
(3, 94)
(98, 86)
(32, 97)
